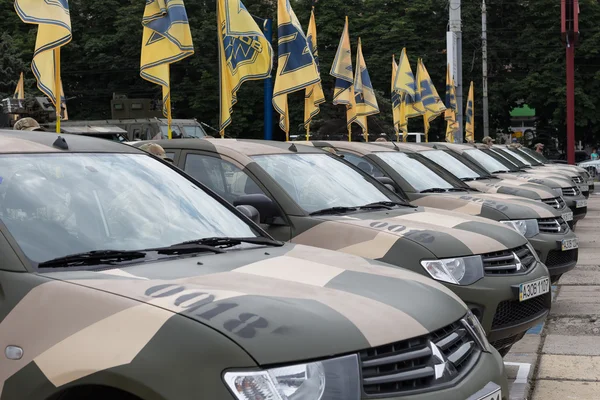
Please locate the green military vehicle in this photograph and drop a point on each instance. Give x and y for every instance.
(124, 279)
(308, 196)
(426, 184)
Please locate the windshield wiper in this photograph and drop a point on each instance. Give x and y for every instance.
(215, 244)
(500, 171)
(458, 190)
(95, 257)
(334, 210)
(434, 190)
(382, 204)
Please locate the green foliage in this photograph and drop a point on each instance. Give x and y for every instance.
(526, 59)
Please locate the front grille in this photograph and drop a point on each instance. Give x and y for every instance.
(506, 262)
(556, 202)
(514, 312)
(409, 365)
(553, 225)
(558, 258)
(571, 191)
(577, 179)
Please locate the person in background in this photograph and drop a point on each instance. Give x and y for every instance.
(155, 150)
(539, 148)
(27, 124)
(488, 141)
(381, 139)
(594, 155)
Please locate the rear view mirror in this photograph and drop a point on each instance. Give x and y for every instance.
(250, 212)
(266, 208)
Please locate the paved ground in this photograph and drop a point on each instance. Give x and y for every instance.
(560, 360)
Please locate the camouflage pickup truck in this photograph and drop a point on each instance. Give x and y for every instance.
(121, 278)
(308, 196)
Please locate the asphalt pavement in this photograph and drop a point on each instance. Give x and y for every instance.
(560, 359)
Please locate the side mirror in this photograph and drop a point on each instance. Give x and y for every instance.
(387, 182)
(390, 187)
(250, 212)
(266, 208)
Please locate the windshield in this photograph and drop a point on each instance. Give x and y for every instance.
(488, 162)
(535, 155)
(175, 131)
(525, 157)
(506, 159)
(193, 132)
(450, 163)
(414, 172)
(56, 205)
(317, 181)
(514, 154)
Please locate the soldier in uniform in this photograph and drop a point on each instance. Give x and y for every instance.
(156, 150)
(488, 141)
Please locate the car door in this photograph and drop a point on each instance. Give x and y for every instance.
(230, 180)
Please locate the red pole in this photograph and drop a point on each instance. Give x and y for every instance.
(570, 103)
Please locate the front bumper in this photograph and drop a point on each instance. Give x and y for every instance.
(489, 368)
(549, 249)
(495, 301)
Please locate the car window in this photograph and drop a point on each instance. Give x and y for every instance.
(486, 161)
(362, 163)
(223, 177)
(61, 204)
(414, 172)
(193, 132)
(450, 163)
(318, 181)
(534, 154)
(506, 159)
(516, 155)
(526, 157)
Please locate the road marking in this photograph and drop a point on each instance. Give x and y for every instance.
(523, 373)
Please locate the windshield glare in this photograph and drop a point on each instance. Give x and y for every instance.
(56, 205)
(534, 154)
(414, 172)
(450, 163)
(517, 156)
(317, 181)
(486, 161)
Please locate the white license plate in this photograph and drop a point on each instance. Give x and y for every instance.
(569, 244)
(581, 203)
(567, 216)
(584, 188)
(533, 289)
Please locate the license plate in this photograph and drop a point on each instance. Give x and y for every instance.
(533, 289)
(584, 188)
(581, 203)
(568, 216)
(569, 244)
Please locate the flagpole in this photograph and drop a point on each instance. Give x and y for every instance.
(349, 133)
(268, 88)
(169, 119)
(308, 133)
(57, 86)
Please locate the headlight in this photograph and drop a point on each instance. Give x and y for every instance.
(472, 324)
(460, 271)
(526, 227)
(557, 191)
(331, 379)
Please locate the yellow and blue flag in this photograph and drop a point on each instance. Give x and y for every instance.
(314, 95)
(20, 89)
(407, 86)
(166, 39)
(245, 54)
(54, 31)
(364, 95)
(296, 68)
(452, 125)
(396, 99)
(432, 103)
(341, 69)
(469, 116)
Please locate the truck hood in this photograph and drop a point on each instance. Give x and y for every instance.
(513, 187)
(444, 234)
(290, 303)
(492, 206)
